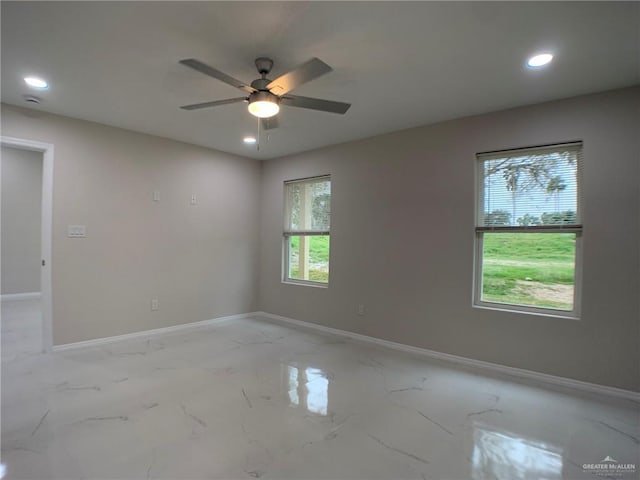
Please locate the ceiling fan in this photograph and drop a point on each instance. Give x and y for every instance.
(266, 96)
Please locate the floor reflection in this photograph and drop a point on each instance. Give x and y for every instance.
(308, 388)
(502, 455)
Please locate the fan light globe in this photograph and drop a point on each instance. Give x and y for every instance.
(263, 108)
(263, 104)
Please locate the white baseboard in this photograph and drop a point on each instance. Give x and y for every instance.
(468, 362)
(148, 333)
(20, 296)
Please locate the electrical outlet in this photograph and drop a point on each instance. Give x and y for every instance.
(154, 304)
(361, 309)
(76, 231)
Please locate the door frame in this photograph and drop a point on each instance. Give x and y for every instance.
(46, 241)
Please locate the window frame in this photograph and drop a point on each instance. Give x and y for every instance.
(480, 230)
(287, 234)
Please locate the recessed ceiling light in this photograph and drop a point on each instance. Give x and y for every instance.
(539, 60)
(249, 140)
(36, 82)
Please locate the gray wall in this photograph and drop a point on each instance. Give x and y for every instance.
(21, 172)
(402, 240)
(199, 261)
(402, 235)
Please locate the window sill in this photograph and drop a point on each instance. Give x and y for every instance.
(526, 311)
(305, 284)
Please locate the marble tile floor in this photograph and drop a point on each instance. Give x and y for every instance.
(21, 329)
(250, 399)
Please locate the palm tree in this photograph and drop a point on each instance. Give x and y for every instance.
(554, 187)
(511, 175)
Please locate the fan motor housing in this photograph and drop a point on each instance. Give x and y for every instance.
(261, 84)
(263, 96)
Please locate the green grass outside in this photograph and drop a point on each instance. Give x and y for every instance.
(318, 247)
(544, 247)
(318, 257)
(535, 269)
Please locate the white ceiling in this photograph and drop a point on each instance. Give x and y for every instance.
(399, 64)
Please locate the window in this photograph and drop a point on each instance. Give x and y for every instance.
(528, 229)
(306, 230)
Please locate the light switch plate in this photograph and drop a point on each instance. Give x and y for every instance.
(76, 231)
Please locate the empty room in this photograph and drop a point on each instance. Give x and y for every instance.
(320, 240)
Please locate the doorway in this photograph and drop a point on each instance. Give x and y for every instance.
(26, 175)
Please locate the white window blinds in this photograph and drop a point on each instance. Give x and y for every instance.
(308, 206)
(532, 187)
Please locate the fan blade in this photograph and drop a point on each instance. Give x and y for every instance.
(197, 106)
(269, 123)
(303, 74)
(315, 104)
(217, 74)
